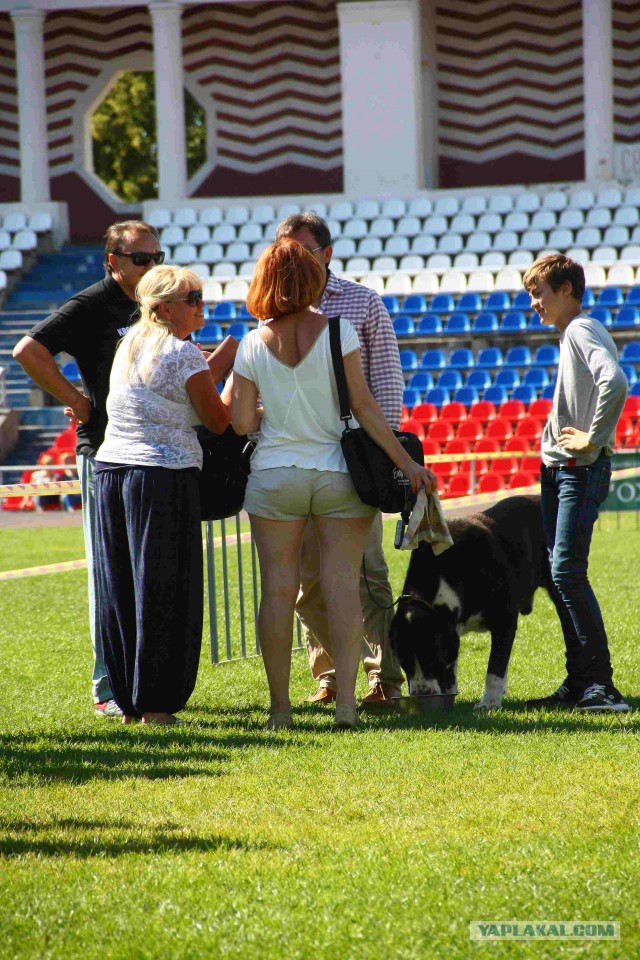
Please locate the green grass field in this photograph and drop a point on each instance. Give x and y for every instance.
(220, 839)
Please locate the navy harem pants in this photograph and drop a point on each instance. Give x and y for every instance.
(149, 570)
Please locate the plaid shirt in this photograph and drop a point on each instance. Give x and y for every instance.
(378, 343)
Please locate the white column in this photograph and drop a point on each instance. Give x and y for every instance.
(381, 96)
(167, 65)
(32, 111)
(598, 89)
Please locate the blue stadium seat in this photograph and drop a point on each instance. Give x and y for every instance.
(226, 310)
(496, 394)
(626, 317)
(522, 300)
(537, 377)
(534, 322)
(410, 398)
(461, 359)
(546, 355)
(403, 326)
(437, 396)
(408, 360)
(479, 379)
(238, 329)
(490, 357)
(470, 303)
(458, 323)
(498, 300)
(243, 314)
(515, 320)
(433, 360)
(633, 297)
(603, 314)
(635, 389)
(486, 322)
(70, 371)
(449, 380)
(430, 324)
(589, 299)
(547, 393)
(524, 392)
(629, 372)
(392, 303)
(519, 356)
(610, 297)
(466, 395)
(507, 379)
(414, 304)
(210, 333)
(422, 380)
(442, 303)
(630, 353)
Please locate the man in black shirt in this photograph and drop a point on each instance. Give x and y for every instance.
(89, 327)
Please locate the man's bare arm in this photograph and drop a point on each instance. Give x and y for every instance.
(43, 370)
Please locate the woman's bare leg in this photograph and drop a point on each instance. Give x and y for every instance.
(342, 542)
(278, 544)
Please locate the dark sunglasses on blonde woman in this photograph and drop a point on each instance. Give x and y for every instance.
(193, 298)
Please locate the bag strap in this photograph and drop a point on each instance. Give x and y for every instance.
(338, 369)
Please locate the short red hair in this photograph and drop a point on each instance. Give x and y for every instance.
(287, 278)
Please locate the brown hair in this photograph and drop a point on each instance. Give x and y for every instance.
(121, 233)
(309, 219)
(287, 278)
(555, 269)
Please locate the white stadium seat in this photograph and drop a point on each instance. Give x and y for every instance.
(245, 270)
(572, 219)
(258, 248)
(450, 243)
(581, 254)
(201, 270)
(453, 281)
(171, 236)
(359, 266)
(423, 245)
(337, 265)
(382, 227)
(5, 240)
(439, 262)
(465, 261)
(621, 275)
(420, 207)
(436, 226)
(11, 260)
(493, 260)
(480, 281)
(224, 233)
(626, 217)
(632, 197)
(594, 275)
(616, 236)
(211, 216)
(560, 237)
(41, 222)
(609, 197)
(211, 252)
(425, 282)
(412, 264)
(269, 231)
(335, 228)
(159, 218)
(236, 215)
(505, 240)
(528, 202)
(212, 291)
(582, 199)
(344, 247)
(500, 203)
(374, 281)
(631, 254)
(185, 217)
(522, 259)
(198, 234)
(398, 283)
(588, 237)
(508, 279)
(385, 266)
(224, 271)
(598, 217)
(489, 222)
(397, 246)
(479, 242)
(411, 227)
(288, 209)
(370, 247)
(394, 209)
(262, 214)
(236, 290)
(474, 205)
(237, 252)
(463, 224)
(184, 254)
(556, 200)
(341, 210)
(518, 220)
(250, 232)
(356, 228)
(3, 280)
(544, 220)
(446, 206)
(367, 209)
(17, 220)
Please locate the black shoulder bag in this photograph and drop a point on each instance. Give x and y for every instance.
(225, 471)
(376, 478)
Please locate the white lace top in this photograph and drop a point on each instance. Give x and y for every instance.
(151, 424)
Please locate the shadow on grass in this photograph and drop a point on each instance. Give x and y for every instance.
(81, 839)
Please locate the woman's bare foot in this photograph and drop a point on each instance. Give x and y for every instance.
(126, 719)
(163, 719)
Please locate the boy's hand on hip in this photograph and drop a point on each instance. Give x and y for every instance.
(576, 441)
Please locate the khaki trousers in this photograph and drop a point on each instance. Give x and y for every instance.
(378, 659)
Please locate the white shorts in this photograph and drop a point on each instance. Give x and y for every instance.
(293, 493)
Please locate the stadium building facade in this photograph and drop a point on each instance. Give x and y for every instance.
(374, 98)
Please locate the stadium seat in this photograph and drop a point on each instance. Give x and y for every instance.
(224, 311)
(486, 322)
(408, 360)
(437, 396)
(461, 359)
(454, 411)
(477, 378)
(546, 355)
(403, 326)
(398, 283)
(508, 279)
(515, 320)
(522, 478)
(508, 379)
(626, 317)
(466, 395)
(517, 445)
(625, 431)
(483, 410)
(610, 297)
(459, 486)
(512, 410)
(429, 324)
(425, 412)
(441, 431)
(210, 333)
(529, 428)
(603, 314)
(479, 281)
(524, 392)
(430, 448)
(540, 409)
(457, 447)
(442, 303)
(14, 221)
(469, 303)
(518, 356)
(459, 323)
(449, 380)
(496, 393)
(490, 358)
(238, 329)
(536, 377)
(392, 303)
(410, 398)
(471, 430)
(489, 483)
(499, 301)
(433, 360)
(630, 352)
(422, 380)
(548, 392)
(414, 304)
(25, 240)
(413, 426)
(425, 282)
(499, 429)
(630, 372)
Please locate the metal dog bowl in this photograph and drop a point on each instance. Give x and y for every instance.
(424, 702)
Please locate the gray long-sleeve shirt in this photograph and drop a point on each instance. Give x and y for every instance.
(589, 394)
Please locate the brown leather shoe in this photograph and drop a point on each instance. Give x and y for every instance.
(323, 696)
(379, 696)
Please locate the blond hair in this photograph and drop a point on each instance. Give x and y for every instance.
(149, 334)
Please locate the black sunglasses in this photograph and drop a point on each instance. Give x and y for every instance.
(194, 298)
(144, 259)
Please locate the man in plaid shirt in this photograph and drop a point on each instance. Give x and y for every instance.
(382, 370)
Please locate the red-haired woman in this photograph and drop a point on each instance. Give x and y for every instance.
(298, 470)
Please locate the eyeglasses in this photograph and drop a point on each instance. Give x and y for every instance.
(144, 259)
(194, 298)
(313, 249)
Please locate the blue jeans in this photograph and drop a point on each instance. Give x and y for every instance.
(571, 497)
(87, 477)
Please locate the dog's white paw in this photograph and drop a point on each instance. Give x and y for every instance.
(484, 706)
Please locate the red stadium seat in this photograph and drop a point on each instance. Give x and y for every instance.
(470, 429)
(529, 429)
(66, 440)
(425, 412)
(413, 426)
(522, 478)
(490, 483)
(441, 430)
(459, 486)
(485, 445)
(499, 429)
(454, 411)
(431, 448)
(632, 407)
(541, 408)
(505, 466)
(625, 432)
(483, 410)
(531, 465)
(512, 409)
(457, 446)
(517, 445)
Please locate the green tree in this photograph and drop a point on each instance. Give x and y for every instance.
(123, 130)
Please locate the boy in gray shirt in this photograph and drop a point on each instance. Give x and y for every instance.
(576, 471)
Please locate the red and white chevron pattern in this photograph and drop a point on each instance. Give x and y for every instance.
(9, 135)
(626, 70)
(510, 82)
(273, 72)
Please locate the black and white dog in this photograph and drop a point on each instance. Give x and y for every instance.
(483, 582)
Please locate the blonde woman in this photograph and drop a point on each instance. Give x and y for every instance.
(148, 535)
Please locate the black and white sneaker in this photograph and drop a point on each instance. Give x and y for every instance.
(564, 698)
(602, 696)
